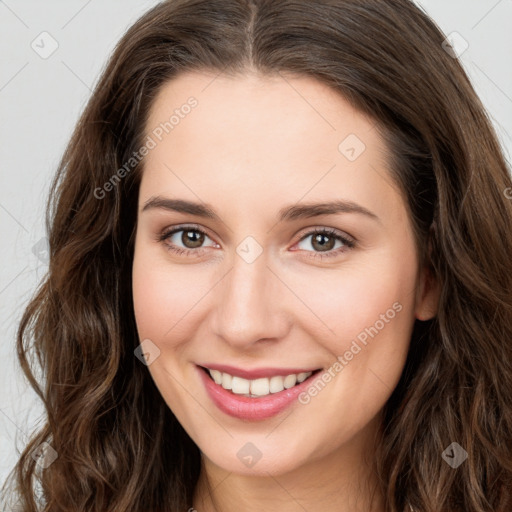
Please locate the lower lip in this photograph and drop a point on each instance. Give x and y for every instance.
(253, 409)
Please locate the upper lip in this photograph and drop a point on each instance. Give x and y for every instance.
(256, 373)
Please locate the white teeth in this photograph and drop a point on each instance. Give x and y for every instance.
(260, 387)
(290, 381)
(226, 381)
(239, 385)
(301, 377)
(276, 384)
(257, 387)
(216, 375)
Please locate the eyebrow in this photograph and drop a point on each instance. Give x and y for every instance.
(288, 213)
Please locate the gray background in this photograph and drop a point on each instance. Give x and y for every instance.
(41, 99)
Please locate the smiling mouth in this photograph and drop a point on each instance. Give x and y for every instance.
(257, 388)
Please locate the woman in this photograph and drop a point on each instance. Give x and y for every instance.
(279, 272)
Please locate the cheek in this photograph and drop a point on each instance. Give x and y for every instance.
(161, 301)
(349, 301)
(372, 316)
(366, 311)
(161, 298)
(149, 299)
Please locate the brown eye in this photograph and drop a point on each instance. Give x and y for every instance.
(192, 239)
(323, 242)
(186, 240)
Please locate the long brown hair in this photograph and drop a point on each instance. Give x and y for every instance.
(119, 446)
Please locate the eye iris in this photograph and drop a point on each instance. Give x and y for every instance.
(320, 238)
(194, 238)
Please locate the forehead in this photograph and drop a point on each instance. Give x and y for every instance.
(259, 135)
(280, 104)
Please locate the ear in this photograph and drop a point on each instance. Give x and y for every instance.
(427, 298)
(429, 289)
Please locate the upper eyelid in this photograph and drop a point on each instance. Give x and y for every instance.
(184, 227)
(322, 229)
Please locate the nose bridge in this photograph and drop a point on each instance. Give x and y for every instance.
(248, 305)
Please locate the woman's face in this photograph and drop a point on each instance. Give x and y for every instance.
(248, 170)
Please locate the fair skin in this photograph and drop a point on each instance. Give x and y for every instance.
(252, 146)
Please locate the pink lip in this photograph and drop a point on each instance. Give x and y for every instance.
(256, 373)
(252, 409)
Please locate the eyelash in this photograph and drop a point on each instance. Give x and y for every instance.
(348, 242)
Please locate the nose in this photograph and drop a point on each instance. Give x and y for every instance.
(250, 305)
